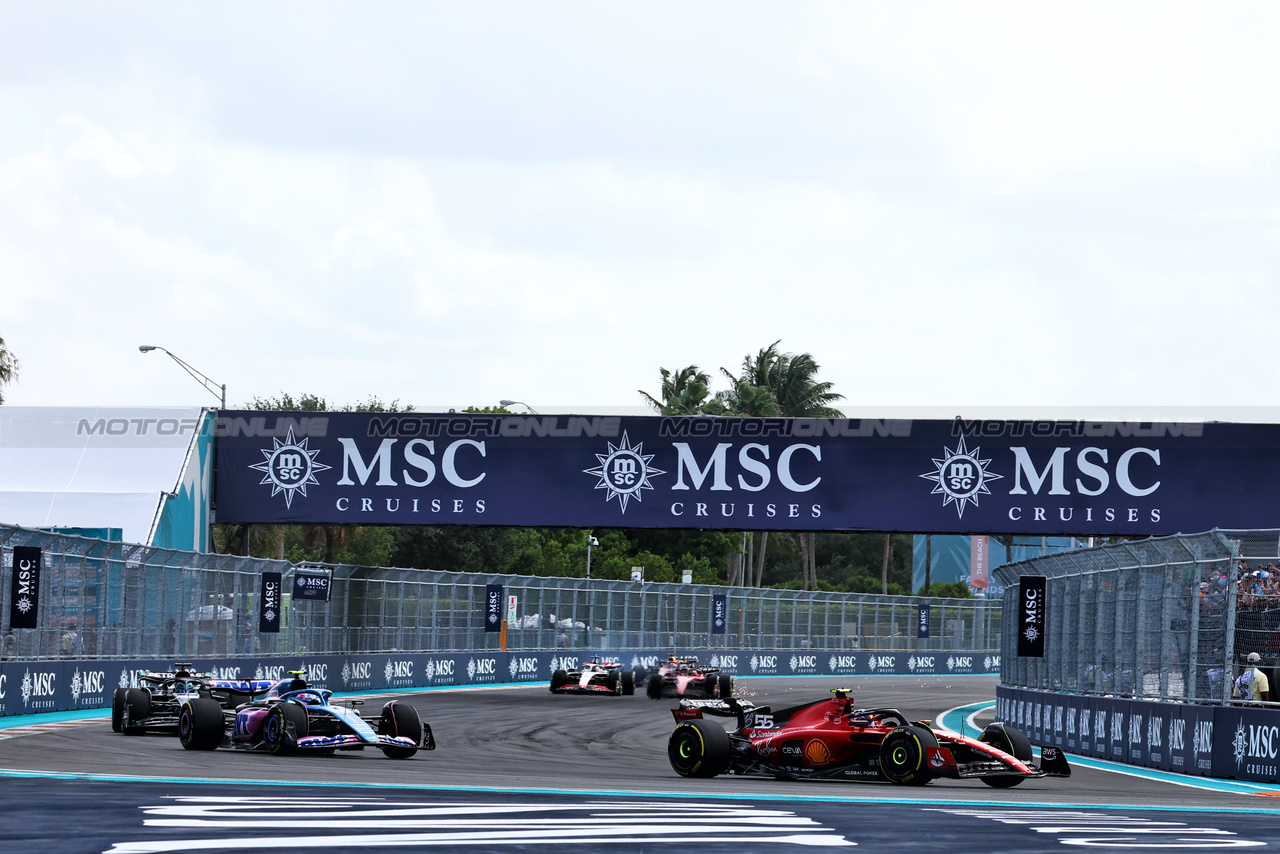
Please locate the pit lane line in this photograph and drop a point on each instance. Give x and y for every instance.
(967, 726)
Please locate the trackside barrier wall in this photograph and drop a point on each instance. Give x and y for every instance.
(1235, 742)
(1142, 643)
(28, 687)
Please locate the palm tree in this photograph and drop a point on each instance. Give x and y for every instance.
(683, 392)
(8, 368)
(792, 379)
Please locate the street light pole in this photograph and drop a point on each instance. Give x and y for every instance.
(591, 541)
(521, 402)
(219, 391)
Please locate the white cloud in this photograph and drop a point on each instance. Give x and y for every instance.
(977, 203)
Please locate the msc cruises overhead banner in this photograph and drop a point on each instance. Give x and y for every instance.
(1021, 477)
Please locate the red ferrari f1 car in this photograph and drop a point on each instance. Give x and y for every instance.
(684, 677)
(830, 739)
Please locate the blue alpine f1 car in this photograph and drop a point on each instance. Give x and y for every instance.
(295, 718)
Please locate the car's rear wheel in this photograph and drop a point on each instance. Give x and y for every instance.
(628, 683)
(559, 679)
(399, 719)
(709, 686)
(726, 686)
(699, 748)
(117, 709)
(904, 754)
(1014, 743)
(137, 708)
(275, 729)
(200, 724)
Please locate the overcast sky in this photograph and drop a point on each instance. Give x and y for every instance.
(446, 204)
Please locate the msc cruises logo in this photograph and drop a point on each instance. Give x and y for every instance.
(961, 475)
(624, 471)
(289, 467)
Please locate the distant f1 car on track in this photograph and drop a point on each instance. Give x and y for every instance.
(292, 717)
(830, 739)
(596, 676)
(684, 677)
(156, 704)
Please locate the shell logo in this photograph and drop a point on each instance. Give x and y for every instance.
(817, 753)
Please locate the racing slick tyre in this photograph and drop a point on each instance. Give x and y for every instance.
(653, 688)
(117, 709)
(200, 724)
(1014, 743)
(137, 708)
(698, 748)
(275, 729)
(399, 719)
(558, 680)
(904, 755)
(726, 686)
(709, 685)
(628, 683)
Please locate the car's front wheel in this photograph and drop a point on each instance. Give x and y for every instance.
(276, 733)
(628, 683)
(137, 708)
(399, 719)
(117, 709)
(200, 724)
(904, 755)
(558, 680)
(699, 748)
(1012, 742)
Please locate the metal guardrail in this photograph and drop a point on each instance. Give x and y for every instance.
(116, 600)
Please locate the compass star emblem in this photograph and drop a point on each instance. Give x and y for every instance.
(961, 475)
(624, 471)
(289, 467)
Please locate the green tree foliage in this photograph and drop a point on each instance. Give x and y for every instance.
(683, 392)
(8, 367)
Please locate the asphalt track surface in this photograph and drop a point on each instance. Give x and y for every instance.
(521, 769)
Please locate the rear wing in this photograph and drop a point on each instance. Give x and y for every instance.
(727, 708)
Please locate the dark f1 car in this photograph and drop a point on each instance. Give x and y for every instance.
(594, 677)
(292, 717)
(156, 704)
(684, 677)
(830, 739)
